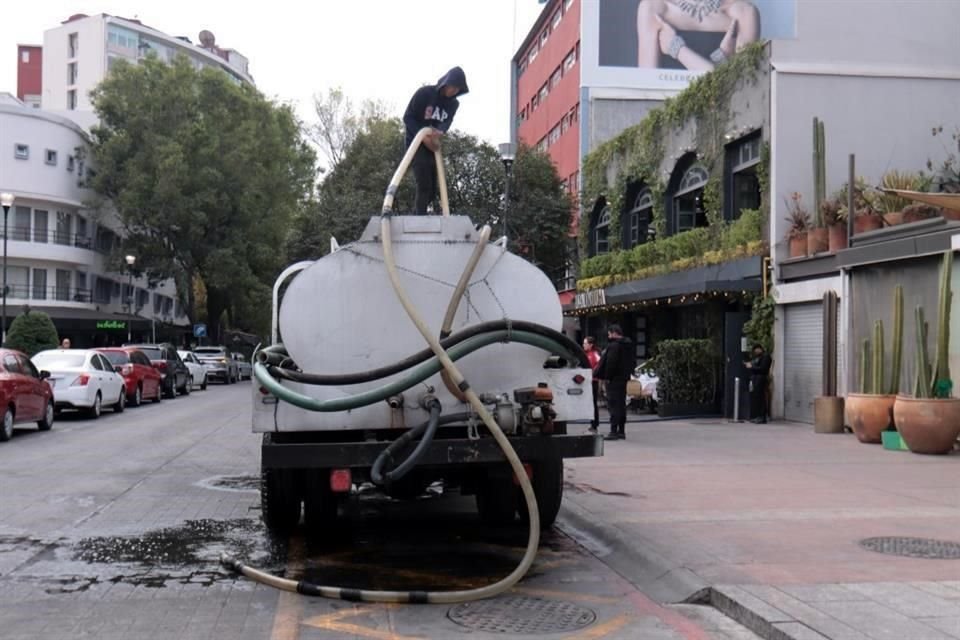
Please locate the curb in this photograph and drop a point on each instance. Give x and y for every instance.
(758, 616)
(636, 560)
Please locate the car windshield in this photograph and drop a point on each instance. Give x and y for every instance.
(116, 357)
(153, 354)
(209, 352)
(53, 360)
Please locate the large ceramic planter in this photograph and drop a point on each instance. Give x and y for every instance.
(868, 415)
(798, 245)
(864, 223)
(817, 241)
(893, 218)
(928, 425)
(837, 237)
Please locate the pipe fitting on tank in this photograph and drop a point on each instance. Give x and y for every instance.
(428, 401)
(395, 402)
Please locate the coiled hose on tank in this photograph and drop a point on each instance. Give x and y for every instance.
(533, 540)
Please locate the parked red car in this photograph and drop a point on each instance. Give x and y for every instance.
(142, 380)
(25, 395)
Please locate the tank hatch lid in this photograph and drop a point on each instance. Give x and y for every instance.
(424, 228)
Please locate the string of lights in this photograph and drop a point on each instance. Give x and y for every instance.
(677, 300)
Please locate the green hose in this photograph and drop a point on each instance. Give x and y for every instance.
(417, 375)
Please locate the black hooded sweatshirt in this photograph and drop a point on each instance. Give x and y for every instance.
(430, 108)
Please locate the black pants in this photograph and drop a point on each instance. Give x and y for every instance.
(758, 397)
(617, 405)
(425, 173)
(596, 409)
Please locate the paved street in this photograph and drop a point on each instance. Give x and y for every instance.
(111, 529)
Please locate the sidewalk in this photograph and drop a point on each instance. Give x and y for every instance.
(765, 523)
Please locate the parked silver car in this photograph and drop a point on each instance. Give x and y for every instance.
(244, 368)
(219, 363)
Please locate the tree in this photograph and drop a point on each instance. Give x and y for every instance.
(32, 332)
(205, 176)
(339, 124)
(540, 210)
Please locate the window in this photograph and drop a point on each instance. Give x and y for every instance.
(11, 364)
(103, 290)
(27, 367)
(63, 284)
(688, 201)
(70, 163)
(564, 124)
(544, 36)
(569, 61)
(122, 38)
(64, 224)
(51, 157)
(72, 73)
(72, 99)
(95, 362)
(40, 219)
(566, 5)
(143, 297)
(533, 54)
(640, 215)
(25, 56)
(742, 184)
(39, 284)
(81, 239)
(544, 92)
(18, 281)
(21, 224)
(556, 20)
(554, 135)
(555, 78)
(73, 45)
(21, 151)
(602, 232)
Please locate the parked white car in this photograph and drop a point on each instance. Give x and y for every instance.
(244, 368)
(198, 372)
(82, 379)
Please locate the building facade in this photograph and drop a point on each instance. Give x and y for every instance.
(58, 251)
(29, 74)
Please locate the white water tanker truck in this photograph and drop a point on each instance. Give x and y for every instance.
(419, 352)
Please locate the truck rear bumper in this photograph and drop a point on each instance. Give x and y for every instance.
(442, 453)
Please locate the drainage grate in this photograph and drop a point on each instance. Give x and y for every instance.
(520, 614)
(914, 547)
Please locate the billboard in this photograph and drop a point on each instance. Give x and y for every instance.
(663, 44)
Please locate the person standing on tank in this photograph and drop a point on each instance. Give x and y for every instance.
(432, 106)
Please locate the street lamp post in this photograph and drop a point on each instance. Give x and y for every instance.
(130, 260)
(507, 154)
(6, 200)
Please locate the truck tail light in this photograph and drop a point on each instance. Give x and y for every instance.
(81, 380)
(579, 379)
(340, 480)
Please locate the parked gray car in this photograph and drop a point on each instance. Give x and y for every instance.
(244, 368)
(219, 363)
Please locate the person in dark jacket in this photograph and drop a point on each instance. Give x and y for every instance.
(432, 106)
(616, 366)
(759, 368)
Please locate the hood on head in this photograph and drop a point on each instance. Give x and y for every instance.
(454, 78)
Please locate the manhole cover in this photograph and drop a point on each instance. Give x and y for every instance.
(520, 614)
(231, 483)
(914, 547)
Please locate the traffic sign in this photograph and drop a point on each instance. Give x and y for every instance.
(199, 330)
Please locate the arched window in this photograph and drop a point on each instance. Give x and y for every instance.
(688, 199)
(602, 232)
(641, 214)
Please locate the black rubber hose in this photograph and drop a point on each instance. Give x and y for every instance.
(428, 430)
(421, 356)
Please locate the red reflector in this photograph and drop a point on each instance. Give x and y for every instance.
(340, 480)
(579, 379)
(528, 469)
(264, 391)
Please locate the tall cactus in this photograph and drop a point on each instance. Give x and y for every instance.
(819, 170)
(921, 387)
(941, 383)
(878, 357)
(897, 340)
(864, 367)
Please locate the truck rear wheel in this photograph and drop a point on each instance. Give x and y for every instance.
(279, 498)
(495, 500)
(319, 502)
(548, 488)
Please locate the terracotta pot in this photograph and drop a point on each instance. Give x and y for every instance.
(868, 415)
(866, 223)
(817, 241)
(893, 218)
(928, 425)
(798, 245)
(837, 237)
(915, 216)
(951, 214)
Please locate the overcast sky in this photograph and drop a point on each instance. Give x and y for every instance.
(371, 48)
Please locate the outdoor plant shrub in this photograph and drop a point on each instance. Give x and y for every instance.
(742, 231)
(31, 333)
(687, 370)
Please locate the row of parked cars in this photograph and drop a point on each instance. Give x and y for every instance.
(87, 380)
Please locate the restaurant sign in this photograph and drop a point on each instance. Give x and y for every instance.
(594, 298)
(116, 325)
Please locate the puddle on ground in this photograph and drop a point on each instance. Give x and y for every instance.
(245, 484)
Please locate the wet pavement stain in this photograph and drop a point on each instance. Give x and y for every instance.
(246, 484)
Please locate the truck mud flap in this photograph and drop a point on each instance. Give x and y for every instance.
(442, 453)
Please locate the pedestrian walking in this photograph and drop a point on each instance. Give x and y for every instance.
(432, 106)
(759, 368)
(593, 356)
(616, 366)
(65, 343)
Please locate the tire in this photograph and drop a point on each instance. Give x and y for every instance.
(6, 429)
(548, 488)
(203, 385)
(46, 423)
(188, 387)
(137, 397)
(159, 397)
(121, 402)
(94, 412)
(496, 500)
(320, 504)
(279, 501)
(171, 390)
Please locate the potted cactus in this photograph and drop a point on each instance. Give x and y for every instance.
(799, 219)
(870, 412)
(817, 235)
(929, 422)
